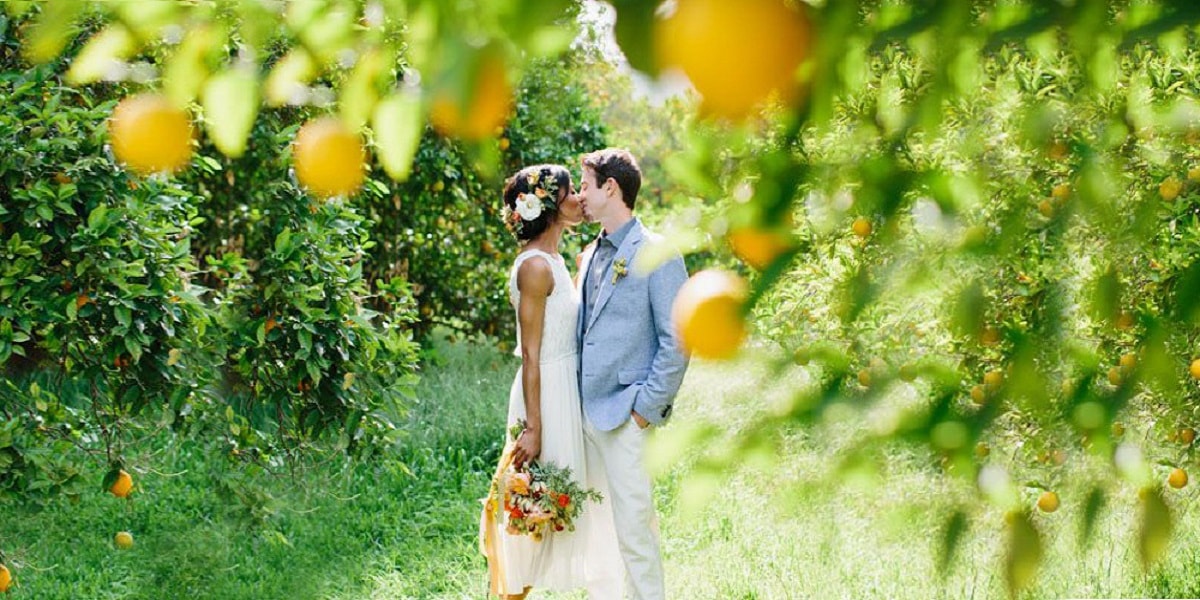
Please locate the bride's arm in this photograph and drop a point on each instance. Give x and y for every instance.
(535, 282)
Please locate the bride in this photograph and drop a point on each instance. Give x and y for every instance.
(540, 203)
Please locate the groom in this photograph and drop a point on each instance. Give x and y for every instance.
(631, 365)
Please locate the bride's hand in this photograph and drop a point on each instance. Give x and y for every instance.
(528, 447)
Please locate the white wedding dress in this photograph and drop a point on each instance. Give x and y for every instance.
(589, 556)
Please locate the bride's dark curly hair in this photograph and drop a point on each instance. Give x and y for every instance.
(553, 181)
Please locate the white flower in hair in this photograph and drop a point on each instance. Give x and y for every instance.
(529, 206)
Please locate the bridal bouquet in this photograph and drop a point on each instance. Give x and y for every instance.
(538, 497)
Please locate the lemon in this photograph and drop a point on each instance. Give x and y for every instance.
(329, 158)
(150, 135)
(708, 314)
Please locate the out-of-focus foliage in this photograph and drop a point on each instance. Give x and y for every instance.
(993, 242)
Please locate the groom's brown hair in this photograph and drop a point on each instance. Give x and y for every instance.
(621, 166)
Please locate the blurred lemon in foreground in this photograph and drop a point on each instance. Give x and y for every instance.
(487, 110)
(123, 540)
(329, 158)
(758, 247)
(708, 314)
(150, 135)
(735, 53)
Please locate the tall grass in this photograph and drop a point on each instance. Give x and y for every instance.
(403, 526)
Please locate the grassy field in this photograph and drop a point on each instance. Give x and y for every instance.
(403, 527)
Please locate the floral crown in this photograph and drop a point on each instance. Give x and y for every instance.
(542, 196)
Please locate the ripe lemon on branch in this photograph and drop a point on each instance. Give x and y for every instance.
(736, 54)
(150, 135)
(329, 158)
(122, 485)
(708, 314)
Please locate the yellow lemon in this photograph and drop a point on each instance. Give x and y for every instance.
(1114, 376)
(1194, 369)
(990, 336)
(861, 227)
(993, 378)
(978, 396)
(1187, 435)
(1124, 321)
(864, 378)
(150, 135)
(708, 314)
(1046, 208)
(758, 247)
(123, 540)
(5, 579)
(1178, 478)
(1170, 188)
(329, 158)
(122, 486)
(736, 54)
(1048, 502)
(1128, 361)
(485, 114)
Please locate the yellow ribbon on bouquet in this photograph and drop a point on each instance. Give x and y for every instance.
(491, 525)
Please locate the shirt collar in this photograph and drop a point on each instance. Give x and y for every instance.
(617, 237)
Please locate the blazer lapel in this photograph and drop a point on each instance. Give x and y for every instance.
(581, 284)
(625, 252)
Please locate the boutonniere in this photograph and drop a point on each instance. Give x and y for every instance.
(619, 270)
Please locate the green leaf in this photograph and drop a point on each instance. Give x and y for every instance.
(53, 30)
(230, 106)
(1156, 526)
(326, 31)
(283, 241)
(289, 75)
(952, 534)
(123, 315)
(103, 52)
(134, 348)
(185, 72)
(634, 31)
(359, 94)
(148, 18)
(98, 217)
(1023, 554)
(398, 128)
(1091, 511)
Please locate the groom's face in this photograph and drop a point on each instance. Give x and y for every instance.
(593, 196)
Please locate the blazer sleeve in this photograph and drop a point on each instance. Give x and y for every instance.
(656, 397)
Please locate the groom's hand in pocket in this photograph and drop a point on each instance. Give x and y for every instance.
(642, 423)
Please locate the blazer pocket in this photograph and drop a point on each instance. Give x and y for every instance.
(632, 376)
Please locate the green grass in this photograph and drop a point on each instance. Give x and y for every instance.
(403, 526)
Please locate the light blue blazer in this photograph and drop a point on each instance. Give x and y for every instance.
(629, 354)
